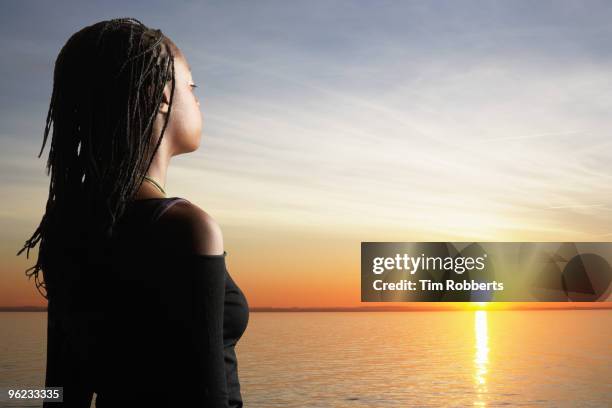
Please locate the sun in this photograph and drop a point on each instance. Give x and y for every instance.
(479, 305)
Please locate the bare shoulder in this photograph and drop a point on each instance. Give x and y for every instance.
(190, 229)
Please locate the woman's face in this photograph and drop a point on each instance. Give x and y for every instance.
(184, 129)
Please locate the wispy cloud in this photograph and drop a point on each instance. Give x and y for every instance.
(396, 116)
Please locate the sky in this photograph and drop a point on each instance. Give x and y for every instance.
(329, 123)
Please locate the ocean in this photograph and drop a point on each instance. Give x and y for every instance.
(390, 359)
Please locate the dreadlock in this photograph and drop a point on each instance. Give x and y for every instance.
(108, 85)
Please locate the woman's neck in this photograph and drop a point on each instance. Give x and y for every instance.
(157, 171)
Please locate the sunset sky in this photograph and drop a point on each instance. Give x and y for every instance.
(331, 123)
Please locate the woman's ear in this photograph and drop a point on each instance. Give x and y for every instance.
(165, 104)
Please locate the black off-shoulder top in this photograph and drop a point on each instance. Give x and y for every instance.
(147, 327)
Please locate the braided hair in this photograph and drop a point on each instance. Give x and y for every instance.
(108, 86)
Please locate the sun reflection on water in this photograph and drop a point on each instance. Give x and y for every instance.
(481, 357)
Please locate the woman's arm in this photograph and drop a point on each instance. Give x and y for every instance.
(197, 238)
(209, 297)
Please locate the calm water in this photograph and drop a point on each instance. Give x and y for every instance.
(392, 359)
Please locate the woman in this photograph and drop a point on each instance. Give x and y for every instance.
(142, 309)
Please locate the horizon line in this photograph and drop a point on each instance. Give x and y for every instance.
(447, 306)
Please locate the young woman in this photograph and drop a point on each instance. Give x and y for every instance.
(141, 308)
